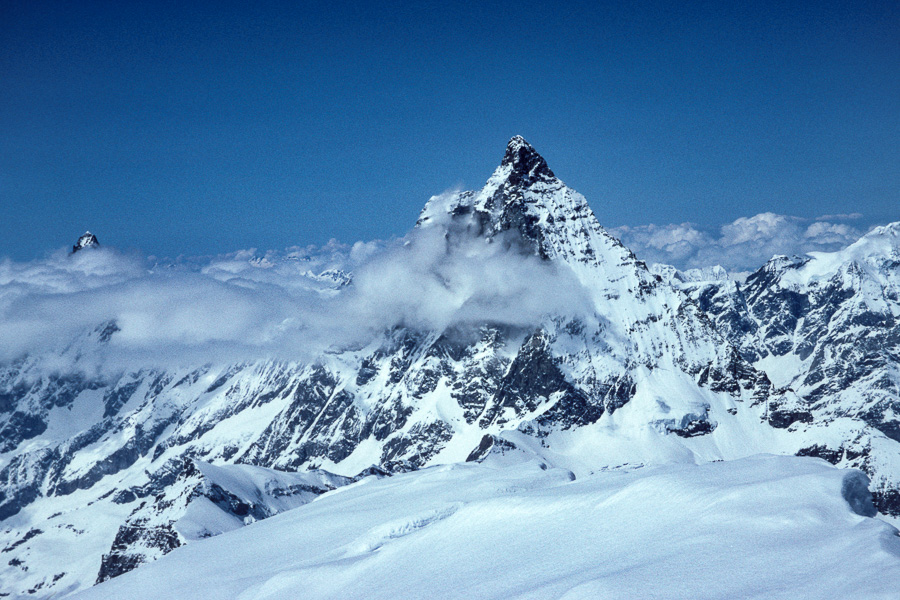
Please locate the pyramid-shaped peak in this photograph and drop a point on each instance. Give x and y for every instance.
(87, 240)
(524, 160)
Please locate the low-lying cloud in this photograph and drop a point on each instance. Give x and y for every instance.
(743, 245)
(290, 305)
(300, 302)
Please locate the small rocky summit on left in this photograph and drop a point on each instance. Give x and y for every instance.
(88, 240)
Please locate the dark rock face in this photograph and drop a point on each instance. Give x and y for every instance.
(828, 324)
(489, 443)
(533, 378)
(527, 165)
(30, 402)
(823, 452)
(420, 444)
(693, 428)
(887, 501)
(122, 558)
(734, 376)
(733, 316)
(782, 417)
(482, 378)
(22, 479)
(18, 428)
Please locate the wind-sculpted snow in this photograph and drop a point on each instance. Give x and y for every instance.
(507, 321)
(768, 527)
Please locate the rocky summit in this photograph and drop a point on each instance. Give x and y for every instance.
(629, 367)
(87, 240)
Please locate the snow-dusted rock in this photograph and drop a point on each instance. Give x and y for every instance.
(87, 240)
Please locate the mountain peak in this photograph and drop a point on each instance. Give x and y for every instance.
(87, 240)
(525, 202)
(524, 160)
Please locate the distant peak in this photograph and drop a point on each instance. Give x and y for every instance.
(87, 240)
(525, 160)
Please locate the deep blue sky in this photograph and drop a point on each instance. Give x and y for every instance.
(205, 129)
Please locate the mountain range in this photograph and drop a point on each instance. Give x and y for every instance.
(548, 341)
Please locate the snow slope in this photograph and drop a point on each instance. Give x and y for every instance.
(763, 527)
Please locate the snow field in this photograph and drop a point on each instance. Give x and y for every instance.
(760, 527)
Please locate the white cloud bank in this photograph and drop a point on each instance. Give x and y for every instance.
(297, 303)
(248, 305)
(740, 246)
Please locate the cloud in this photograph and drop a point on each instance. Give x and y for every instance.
(677, 242)
(297, 303)
(742, 245)
(433, 281)
(246, 305)
(841, 217)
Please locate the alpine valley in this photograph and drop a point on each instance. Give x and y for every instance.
(564, 422)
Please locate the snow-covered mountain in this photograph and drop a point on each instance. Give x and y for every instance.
(826, 328)
(565, 348)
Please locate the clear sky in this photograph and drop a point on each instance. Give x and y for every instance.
(192, 128)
